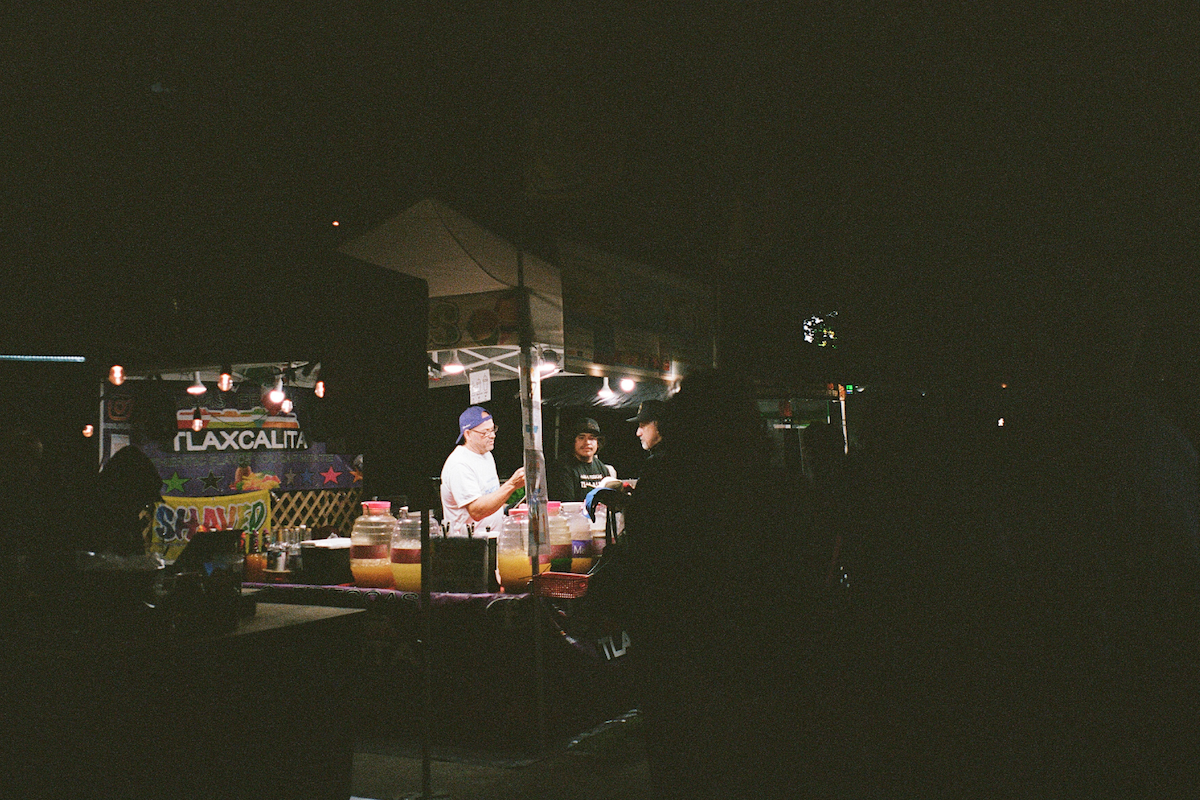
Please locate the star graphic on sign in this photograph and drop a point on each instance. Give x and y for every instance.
(174, 483)
(212, 481)
(331, 475)
(289, 477)
(356, 475)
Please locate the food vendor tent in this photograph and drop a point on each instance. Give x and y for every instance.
(601, 314)
(471, 273)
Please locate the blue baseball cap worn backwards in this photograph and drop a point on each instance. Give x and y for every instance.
(471, 418)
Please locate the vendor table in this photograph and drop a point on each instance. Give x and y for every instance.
(482, 665)
(128, 712)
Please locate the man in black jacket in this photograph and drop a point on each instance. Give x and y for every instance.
(571, 478)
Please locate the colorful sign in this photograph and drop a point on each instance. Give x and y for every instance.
(240, 447)
(176, 519)
(474, 320)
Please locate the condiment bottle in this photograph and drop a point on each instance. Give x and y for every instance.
(370, 541)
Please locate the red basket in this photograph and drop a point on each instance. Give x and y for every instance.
(564, 585)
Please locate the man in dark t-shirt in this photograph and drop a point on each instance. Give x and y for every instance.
(571, 478)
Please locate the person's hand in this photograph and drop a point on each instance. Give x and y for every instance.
(517, 480)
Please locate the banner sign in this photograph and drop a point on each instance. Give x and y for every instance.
(176, 519)
(473, 320)
(240, 446)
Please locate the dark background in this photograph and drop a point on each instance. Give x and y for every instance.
(936, 175)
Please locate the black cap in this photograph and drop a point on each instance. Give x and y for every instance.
(585, 425)
(648, 411)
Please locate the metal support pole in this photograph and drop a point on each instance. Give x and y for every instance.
(426, 612)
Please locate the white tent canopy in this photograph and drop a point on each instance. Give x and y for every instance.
(456, 257)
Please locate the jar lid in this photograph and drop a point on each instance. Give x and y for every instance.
(376, 507)
(519, 511)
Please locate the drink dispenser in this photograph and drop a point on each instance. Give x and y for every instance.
(370, 542)
(406, 553)
(560, 537)
(580, 528)
(512, 552)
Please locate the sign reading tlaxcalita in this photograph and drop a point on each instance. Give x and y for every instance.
(237, 429)
(240, 446)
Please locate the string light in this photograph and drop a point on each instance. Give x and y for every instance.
(319, 386)
(606, 391)
(225, 379)
(276, 396)
(116, 375)
(628, 385)
(197, 420)
(88, 430)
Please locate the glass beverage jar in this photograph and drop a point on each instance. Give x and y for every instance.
(406, 553)
(370, 541)
(580, 528)
(560, 537)
(512, 552)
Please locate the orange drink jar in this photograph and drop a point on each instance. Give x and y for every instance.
(512, 552)
(406, 553)
(370, 543)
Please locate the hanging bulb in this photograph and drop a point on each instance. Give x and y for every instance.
(225, 379)
(319, 386)
(197, 420)
(197, 388)
(116, 375)
(286, 406)
(549, 364)
(88, 430)
(276, 396)
(605, 391)
(628, 385)
(454, 366)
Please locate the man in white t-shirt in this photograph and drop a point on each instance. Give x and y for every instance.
(471, 489)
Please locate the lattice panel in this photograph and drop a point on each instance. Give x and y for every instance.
(322, 507)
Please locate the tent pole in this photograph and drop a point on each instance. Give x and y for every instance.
(535, 485)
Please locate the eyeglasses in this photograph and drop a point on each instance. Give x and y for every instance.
(488, 432)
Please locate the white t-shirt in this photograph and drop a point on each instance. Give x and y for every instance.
(467, 476)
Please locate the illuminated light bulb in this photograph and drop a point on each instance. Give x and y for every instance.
(336, 223)
(286, 406)
(276, 395)
(454, 366)
(197, 387)
(88, 430)
(116, 375)
(628, 385)
(1000, 423)
(605, 391)
(225, 379)
(197, 420)
(319, 388)
(549, 364)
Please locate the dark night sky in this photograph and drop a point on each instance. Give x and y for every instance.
(931, 173)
